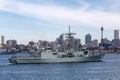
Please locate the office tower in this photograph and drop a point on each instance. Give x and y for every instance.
(2, 40)
(116, 34)
(94, 43)
(61, 38)
(87, 39)
(11, 43)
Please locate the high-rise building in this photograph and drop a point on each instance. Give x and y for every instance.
(2, 40)
(61, 39)
(94, 43)
(105, 41)
(87, 39)
(77, 41)
(116, 34)
(11, 43)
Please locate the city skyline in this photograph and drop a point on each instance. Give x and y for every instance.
(26, 20)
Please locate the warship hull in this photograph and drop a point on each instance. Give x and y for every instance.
(39, 60)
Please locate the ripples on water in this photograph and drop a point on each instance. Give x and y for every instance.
(109, 69)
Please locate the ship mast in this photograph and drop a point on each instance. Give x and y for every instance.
(69, 36)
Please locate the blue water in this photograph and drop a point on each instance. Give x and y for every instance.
(109, 69)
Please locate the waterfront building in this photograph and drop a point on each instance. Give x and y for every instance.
(41, 44)
(77, 41)
(11, 43)
(116, 34)
(31, 43)
(87, 39)
(105, 41)
(94, 43)
(116, 43)
(61, 38)
(2, 40)
(116, 40)
(36, 45)
(44, 44)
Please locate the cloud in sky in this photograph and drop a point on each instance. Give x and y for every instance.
(52, 14)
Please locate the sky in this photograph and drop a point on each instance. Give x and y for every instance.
(33, 20)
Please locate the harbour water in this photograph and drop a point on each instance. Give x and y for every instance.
(109, 69)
